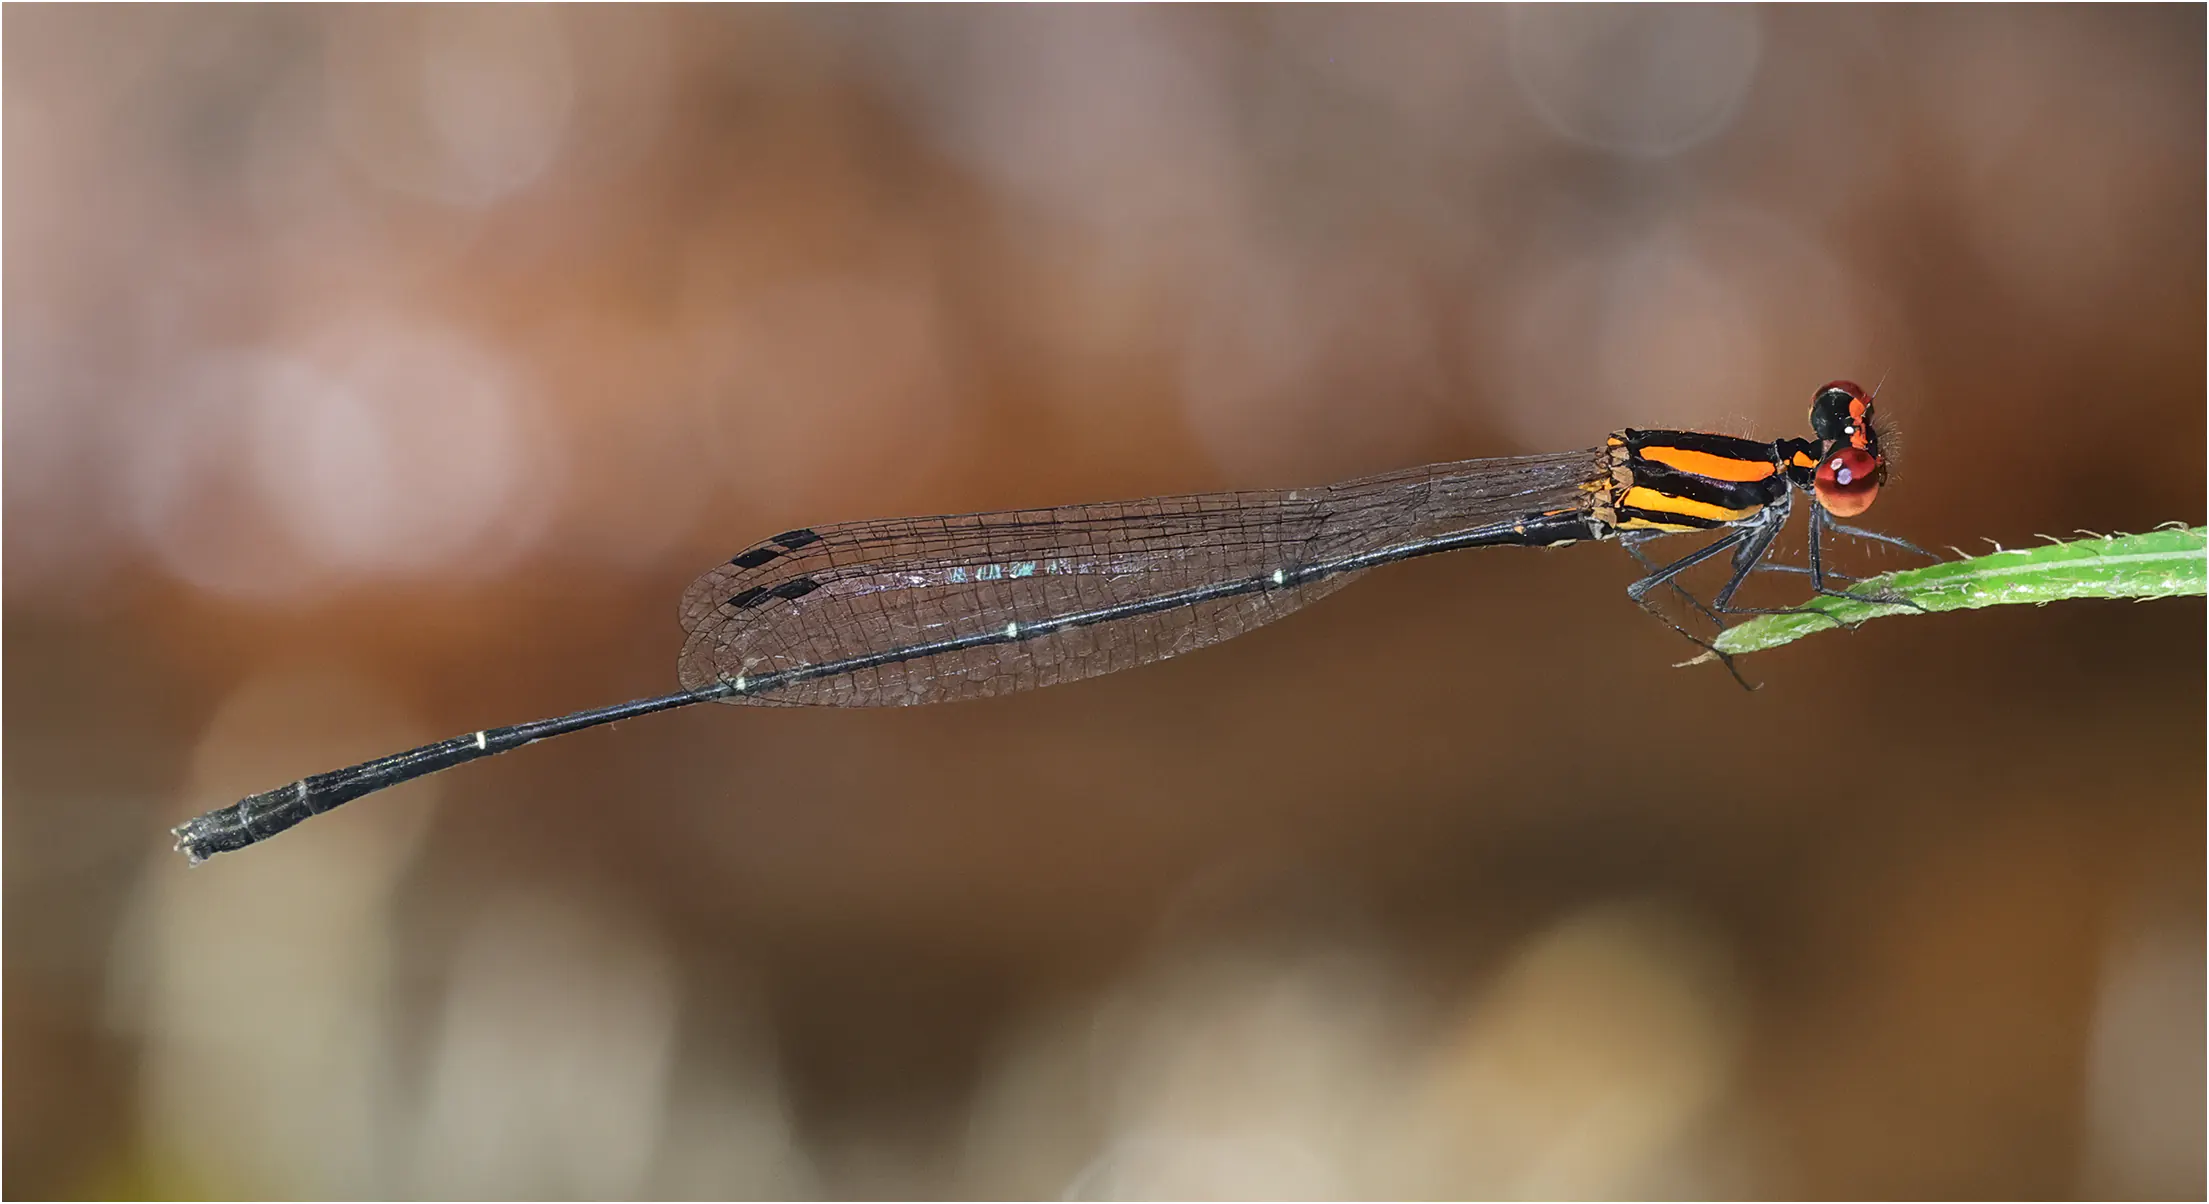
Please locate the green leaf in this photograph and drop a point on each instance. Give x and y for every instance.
(2169, 562)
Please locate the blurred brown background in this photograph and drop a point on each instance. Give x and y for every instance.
(379, 374)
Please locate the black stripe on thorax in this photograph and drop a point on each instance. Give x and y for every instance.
(1732, 446)
(1734, 495)
(1630, 514)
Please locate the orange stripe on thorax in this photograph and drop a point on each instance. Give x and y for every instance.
(1704, 464)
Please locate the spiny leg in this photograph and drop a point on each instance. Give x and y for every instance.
(1757, 542)
(1632, 542)
(1802, 569)
(1639, 592)
(1882, 537)
(1819, 520)
(1748, 560)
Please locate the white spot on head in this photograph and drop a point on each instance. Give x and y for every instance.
(481, 742)
(1280, 577)
(1012, 631)
(740, 683)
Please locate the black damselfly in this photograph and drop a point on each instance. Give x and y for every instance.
(896, 612)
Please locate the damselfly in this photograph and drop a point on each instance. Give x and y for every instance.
(901, 611)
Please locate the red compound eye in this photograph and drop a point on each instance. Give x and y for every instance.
(1848, 481)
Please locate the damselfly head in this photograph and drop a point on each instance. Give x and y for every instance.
(1848, 480)
(1851, 470)
(1841, 413)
